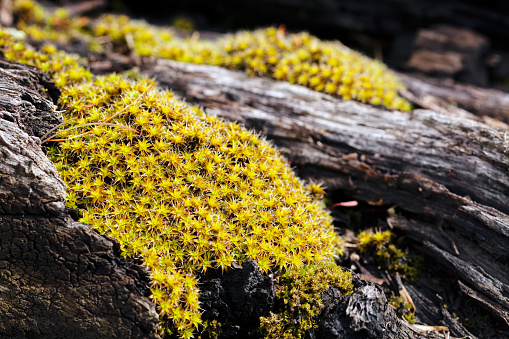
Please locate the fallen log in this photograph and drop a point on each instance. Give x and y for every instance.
(61, 279)
(449, 173)
(422, 161)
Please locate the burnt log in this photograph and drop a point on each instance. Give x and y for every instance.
(58, 278)
(239, 297)
(447, 174)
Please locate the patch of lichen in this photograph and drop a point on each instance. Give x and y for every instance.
(328, 67)
(301, 294)
(378, 244)
(181, 189)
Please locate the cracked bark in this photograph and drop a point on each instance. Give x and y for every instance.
(58, 278)
(448, 174)
(435, 92)
(61, 279)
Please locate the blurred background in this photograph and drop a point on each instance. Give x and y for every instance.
(464, 40)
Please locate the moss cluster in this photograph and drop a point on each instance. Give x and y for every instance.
(183, 190)
(328, 67)
(388, 255)
(323, 66)
(56, 25)
(402, 308)
(301, 291)
(65, 68)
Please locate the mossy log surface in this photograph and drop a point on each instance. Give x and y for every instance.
(238, 298)
(58, 278)
(373, 18)
(61, 279)
(447, 174)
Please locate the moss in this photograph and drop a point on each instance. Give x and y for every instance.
(402, 308)
(300, 292)
(183, 190)
(56, 25)
(183, 23)
(324, 66)
(212, 329)
(328, 67)
(378, 244)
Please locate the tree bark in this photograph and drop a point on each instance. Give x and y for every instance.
(58, 278)
(447, 174)
(446, 93)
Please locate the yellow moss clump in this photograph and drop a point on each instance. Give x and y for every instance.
(328, 67)
(378, 244)
(301, 294)
(56, 26)
(148, 40)
(183, 190)
(64, 67)
(323, 66)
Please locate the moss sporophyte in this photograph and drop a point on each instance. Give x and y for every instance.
(183, 190)
(325, 66)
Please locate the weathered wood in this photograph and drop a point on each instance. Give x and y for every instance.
(480, 101)
(444, 51)
(58, 278)
(449, 172)
(237, 298)
(61, 279)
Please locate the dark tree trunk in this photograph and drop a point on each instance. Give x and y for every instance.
(448, 174)
(58, 278)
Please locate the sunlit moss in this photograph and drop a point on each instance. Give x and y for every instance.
(182, 189)
(325, 66)
(402, 308)
(56, 26)
(300, 292)
(378, 244)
